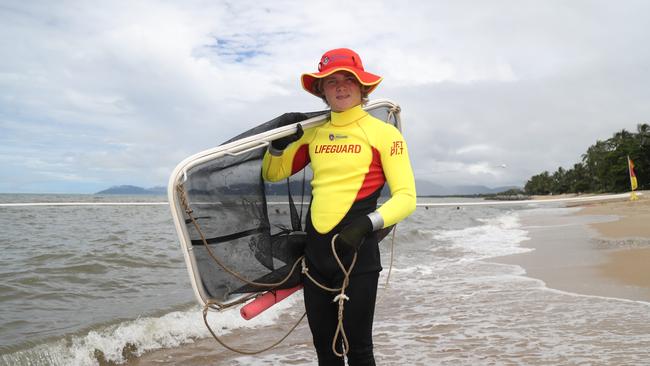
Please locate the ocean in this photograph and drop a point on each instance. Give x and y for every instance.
(106, 284)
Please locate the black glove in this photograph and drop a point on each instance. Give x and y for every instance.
(283, 142)
(354, 233)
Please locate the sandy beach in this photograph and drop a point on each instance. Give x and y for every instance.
(603, 249)
(628, 262)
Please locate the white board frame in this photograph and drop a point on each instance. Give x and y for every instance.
(241, 146)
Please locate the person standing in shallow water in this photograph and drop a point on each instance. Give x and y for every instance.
(352, 156)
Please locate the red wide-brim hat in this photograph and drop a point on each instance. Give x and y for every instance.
(340, 59)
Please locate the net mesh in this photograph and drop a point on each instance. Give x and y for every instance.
(247, 223)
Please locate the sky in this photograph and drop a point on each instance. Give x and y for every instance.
(96, 94)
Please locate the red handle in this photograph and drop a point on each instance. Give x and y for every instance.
(261, 303)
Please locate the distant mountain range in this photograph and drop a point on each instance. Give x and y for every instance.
(424, 188)
(133, 190)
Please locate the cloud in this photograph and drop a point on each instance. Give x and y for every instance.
(98, 94)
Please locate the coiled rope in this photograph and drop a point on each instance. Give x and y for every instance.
(340, 298)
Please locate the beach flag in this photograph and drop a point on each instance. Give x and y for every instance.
(633, 183)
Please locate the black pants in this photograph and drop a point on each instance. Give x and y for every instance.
(358, 314)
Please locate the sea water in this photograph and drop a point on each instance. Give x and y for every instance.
(89, 285)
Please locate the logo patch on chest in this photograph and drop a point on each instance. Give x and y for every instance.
(333, 137)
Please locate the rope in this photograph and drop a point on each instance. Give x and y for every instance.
(184, 202)
(392, 256)
(392, 112)
(189, 211)
(340, 298)
(246, 352)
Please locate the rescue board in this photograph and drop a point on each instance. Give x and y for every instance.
(233, 228)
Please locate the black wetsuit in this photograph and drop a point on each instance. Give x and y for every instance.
(352, 156)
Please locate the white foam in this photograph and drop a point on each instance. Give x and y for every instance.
(496, 237)
(141, 335)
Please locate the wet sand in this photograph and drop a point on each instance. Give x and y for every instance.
(602, 249)
(629, 236)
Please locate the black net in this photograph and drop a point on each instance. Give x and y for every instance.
(246, 222)
(229, 202)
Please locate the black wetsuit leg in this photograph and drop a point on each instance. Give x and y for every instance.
(359, 311)
(358, 315)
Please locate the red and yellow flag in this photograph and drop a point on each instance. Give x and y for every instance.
(633, 182)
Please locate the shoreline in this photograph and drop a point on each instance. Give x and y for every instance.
(601, 248)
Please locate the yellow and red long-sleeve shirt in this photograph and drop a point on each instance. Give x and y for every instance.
(352, 155)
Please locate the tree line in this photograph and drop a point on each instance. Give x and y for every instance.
(603, 167)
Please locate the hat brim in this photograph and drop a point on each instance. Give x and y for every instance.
(364, 78)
